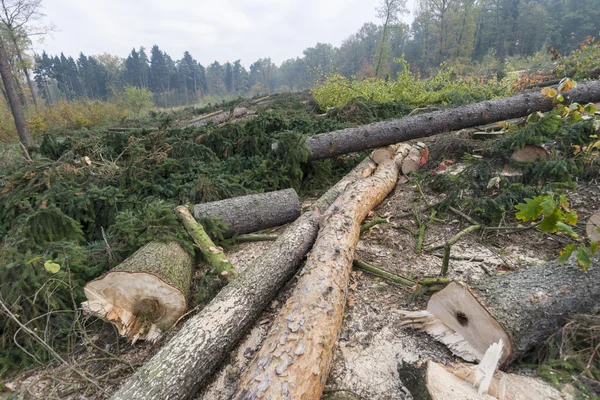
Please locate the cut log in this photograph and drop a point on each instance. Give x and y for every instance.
(179, 369)
(252, 213)
(433, 381)
(379, 134)
(145, 294)
(521, 308)
(219, 263)
(296, 355)
(530, 154)
(593, 228)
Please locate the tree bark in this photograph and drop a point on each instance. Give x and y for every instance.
(218, 261)
(180, 368)
(25, 70)
(252, 213)
(349, 140)
(145, 294)
(295, 358)
(13, 98)
(522, 308)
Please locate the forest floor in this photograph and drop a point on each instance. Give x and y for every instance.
(372, 341)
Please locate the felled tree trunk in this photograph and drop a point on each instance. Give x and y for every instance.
(349, 140)
(522, 308)
(145, 294)
(180, 368)
(219, 263)
(295, 358)
(433, 381)
(252, 213)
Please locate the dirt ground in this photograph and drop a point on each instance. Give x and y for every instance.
(372, 342)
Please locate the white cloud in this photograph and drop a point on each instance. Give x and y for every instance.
(222, 30)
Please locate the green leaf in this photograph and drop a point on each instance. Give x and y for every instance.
(594, 247)
(549, 223)
(531, 210)
(548, 205)
(571, 217)
(583, 258)
(566, 228)
(52, 267)
(565, 253)
(590, 108)
(564, 202)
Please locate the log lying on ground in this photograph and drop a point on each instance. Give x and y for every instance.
(146, 294)
(433, 381)
(179, 369)
(349, 140)
(219, 263)
(296, 355)
(521, 308)
(252, 213)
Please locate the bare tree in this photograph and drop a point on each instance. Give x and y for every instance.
(389, 12)
(22, 20)
(13, 97)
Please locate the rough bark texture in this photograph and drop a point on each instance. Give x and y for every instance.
(218, 261)
(384, 133)
(13, 98)
(295, 358)
(145, 294)
(529, 304)
(180, 368)
(252, 213)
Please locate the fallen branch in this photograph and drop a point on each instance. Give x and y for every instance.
(452, 241)
(218, 261)
(375, 221)
(365, 266)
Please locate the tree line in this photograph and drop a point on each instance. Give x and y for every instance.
(454, 31)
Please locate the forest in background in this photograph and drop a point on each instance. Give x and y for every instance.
(483, 37)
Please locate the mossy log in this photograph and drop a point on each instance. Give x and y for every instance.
(184, 364)
(521, 308)
(296, 356)
(252, 213)
(145, 294)
(379, 134)
(218, 261)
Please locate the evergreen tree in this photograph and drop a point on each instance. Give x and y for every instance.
(159, 71)
(228, 78)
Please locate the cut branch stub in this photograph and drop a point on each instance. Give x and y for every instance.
(144, 295)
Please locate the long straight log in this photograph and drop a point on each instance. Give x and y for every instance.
(247, 214)
(183, 365)
(364, 137)
(294, 360)
(522, 309)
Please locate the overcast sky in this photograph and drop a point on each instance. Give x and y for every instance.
(222, 30)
